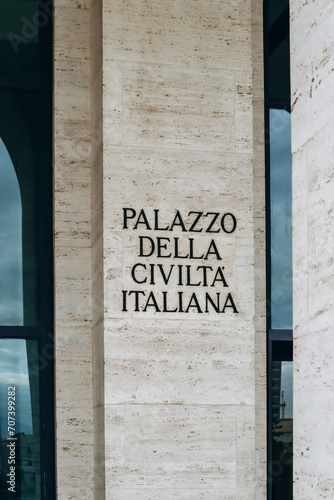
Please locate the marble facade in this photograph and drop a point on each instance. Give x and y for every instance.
(159, 105)
(312, 96)
(159, 109)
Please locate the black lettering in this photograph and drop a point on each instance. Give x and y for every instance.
(189, 278)
(180, 274)
(166, 310)
(195, 222)
(156, 222)
(209, 299)
(126, 217)
(191, 255)
(180, 302)
(196, 304)
(152, 282)
(212, 222)
(160, 246)
(141, 246)
(179, 223)
(176, 250)
(214, 251)
(219, 277)
(133, 273)
(136, 292)
(164, 277)
(205, 283)
(234, 220)
(124, 292)
(231, 304)
(144, 221)
(153, 304)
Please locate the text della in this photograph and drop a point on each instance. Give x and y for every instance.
(196, 267)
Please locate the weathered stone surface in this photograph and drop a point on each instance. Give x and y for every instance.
(72, 226)
(184, 117)
(161, 109)
(313, 186)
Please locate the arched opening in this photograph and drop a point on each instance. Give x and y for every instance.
(11, 259)
(19, 135)
(26, 250)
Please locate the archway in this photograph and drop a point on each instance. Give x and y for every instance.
(11, 268)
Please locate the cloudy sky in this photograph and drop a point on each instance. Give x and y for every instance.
(14, 372)
(13, 354)
(281, 218)
(11, 286)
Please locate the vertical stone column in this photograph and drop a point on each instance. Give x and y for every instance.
(259, 251)
(72, 225)
(312, 78)
(97, 250)
(184, 390)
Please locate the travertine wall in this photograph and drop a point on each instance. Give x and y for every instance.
(72, 224)
(184, 394)
(158, 105)
(312, 76)
(97, 250)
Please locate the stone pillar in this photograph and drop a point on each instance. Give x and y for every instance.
(182, 410)
(312, 80)
(72, 252)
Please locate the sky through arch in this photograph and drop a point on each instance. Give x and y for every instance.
(11, 269)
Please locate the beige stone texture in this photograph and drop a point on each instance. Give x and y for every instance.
(182, 129)
(173, 446)
(97, 250)
(158, 105)
(75, 428)
(211, 34)
(181, 494)
(159, 110)
(312, 68)
(312, 76)
(258, 147)
(72, 226)
(152, 362)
